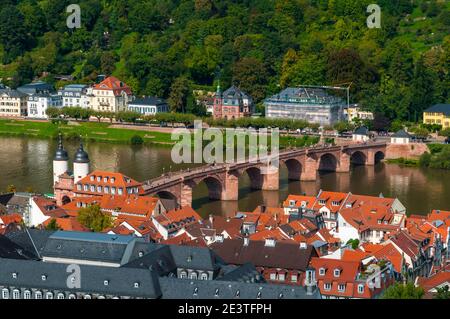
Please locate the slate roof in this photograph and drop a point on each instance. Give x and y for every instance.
(9, 249)
(439, 108)
(120, 280)
(362, 130)
(285, 255)
(149, 100)
(33, 240)
(234, 93)
(402, 134)
(173, 288)
(244, 273)
(190, 257)
(12, 93)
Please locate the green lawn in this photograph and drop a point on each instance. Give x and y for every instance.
(97, 132)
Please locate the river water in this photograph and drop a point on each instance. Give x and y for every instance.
(26, 162)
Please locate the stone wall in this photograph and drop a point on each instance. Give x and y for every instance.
(409, 151)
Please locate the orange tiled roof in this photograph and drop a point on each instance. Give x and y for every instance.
(67, 224)
(329, 198)
(113, 84)
(276, 234)
(9, 219)
(308, 201)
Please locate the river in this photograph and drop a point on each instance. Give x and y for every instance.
(26, 162)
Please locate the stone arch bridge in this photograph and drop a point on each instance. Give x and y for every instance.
(302, 164)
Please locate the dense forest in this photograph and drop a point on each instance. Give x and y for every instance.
(169, 47)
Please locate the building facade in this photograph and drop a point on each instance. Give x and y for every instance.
(12, 103)
(312, 105)
(37, 104)
(148, 106)
(111, 95)
(232, 104)
(76, 95)
(438, 114)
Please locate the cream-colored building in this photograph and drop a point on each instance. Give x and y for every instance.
(12, 103)
(110, 95)
(401, 137)
(438, 114)
(355, 112)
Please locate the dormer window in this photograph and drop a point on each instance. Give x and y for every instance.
(136, 285)
(292, 203)
(337, 272)
(106, 282)
(335, 203)
(327, 286)
(360, 289)
(14, 275)
(341, 287)
(92, 178)
(44, 277)
(322, 202)
(141, 254)
(322, 271)
(379, 222)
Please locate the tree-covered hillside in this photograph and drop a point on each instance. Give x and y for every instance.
(161, 47)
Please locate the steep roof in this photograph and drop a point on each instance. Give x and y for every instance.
(113, 84)
(439, 108)
(402, 134)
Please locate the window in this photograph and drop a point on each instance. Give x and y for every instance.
(341, 287)
(61, 296)
(5, 293)
(281, 277)
(327, 286)
(183, 275)
(193, 275)
(294, 278)
(322, 271)
(79, 187)
(72, 296)
(105, 179)
(204, 276)
(99, 178)
(136, 285)
(322, 201)
(38, 295)
(27, 294)
(337, 273)
(87, 297)
(49, 295)
(113, 190)
(14, 275)
(44, 277)
(106, 282)
(360, 289)
(120, 191)
(16, 294)
(86, 187)
(273, 276)
(92, 178)
(92, 188)
(99, 189)
(101, 297)
(106, 189)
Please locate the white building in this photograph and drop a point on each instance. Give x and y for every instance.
(361, 134)
(354, 113)
(148, 106)
(111, 95)
(37, 104)
(401, 137)
(76, 95)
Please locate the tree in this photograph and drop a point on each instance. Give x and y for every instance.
(11, 189)
(442, 293)
(93, 218)
(354, 243)
(52, 225)
(13, 34)
(402, 291)
(250, 74)
(179, 92)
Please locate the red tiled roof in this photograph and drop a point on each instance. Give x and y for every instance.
(308, 201)
(9, 219)
(67, 224)
(113, 84)
(120, 181)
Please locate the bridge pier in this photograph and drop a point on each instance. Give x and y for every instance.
(271, 180)
(370, 161)
(344, 164)
(310, 173)
(186, 195)
(230, 189)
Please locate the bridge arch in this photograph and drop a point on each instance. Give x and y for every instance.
(378, 157)
(214, 185)
(167, 195)
(294, 168)
(328, 163)
(358, 158)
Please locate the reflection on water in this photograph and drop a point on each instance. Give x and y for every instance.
(28, 162)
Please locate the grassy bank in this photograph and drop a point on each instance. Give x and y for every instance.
(90, 131)
(439, 157)
(102, 132)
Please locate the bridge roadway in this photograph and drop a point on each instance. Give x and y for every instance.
(302, 164)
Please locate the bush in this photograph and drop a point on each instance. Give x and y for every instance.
(136, 140)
